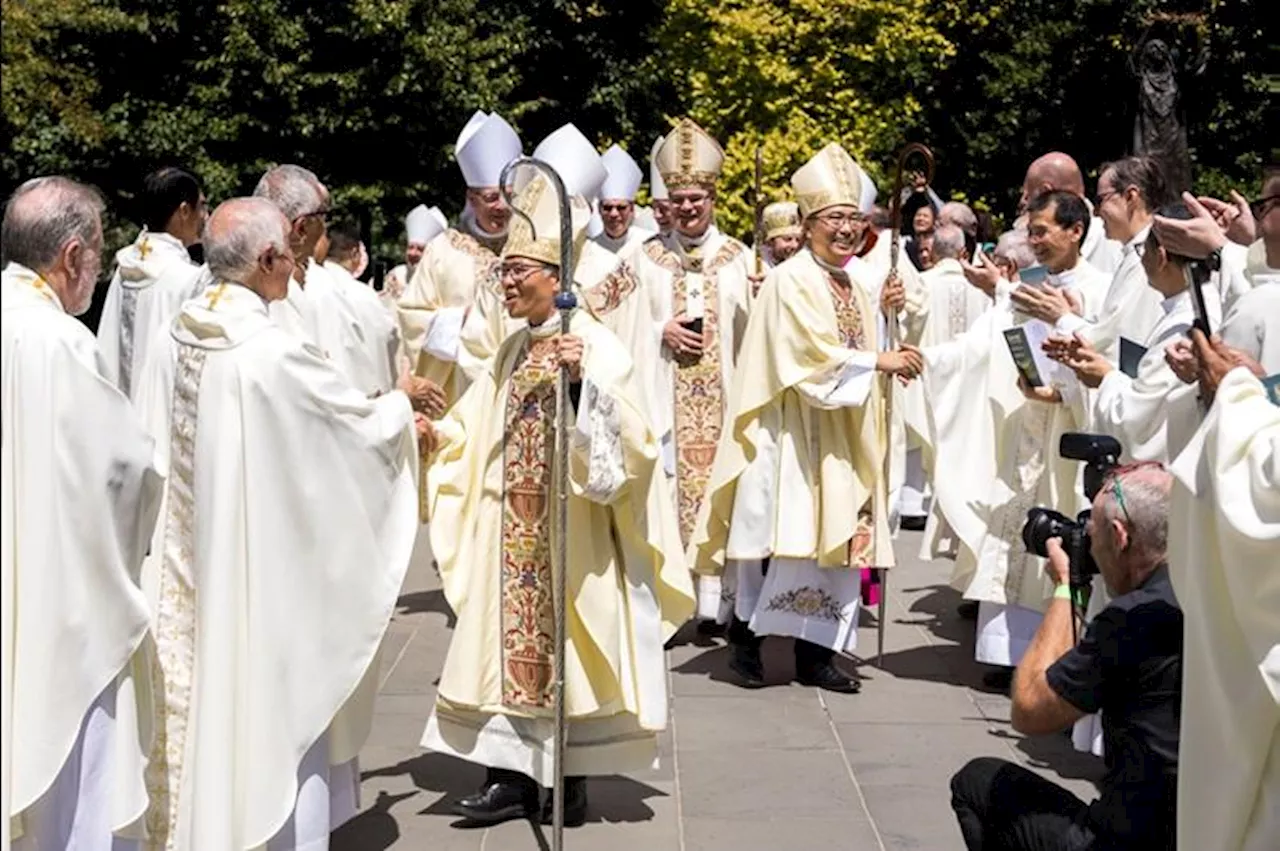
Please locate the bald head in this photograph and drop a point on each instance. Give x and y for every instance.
(246, 241)
(948, 242)
(1053, 171)
(53, 226)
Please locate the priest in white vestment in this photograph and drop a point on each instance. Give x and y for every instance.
(78, 501)
(697, 280)
(1225, 545)
(154, 275)
(492, 495)
(1009, 440)
(796, 504)
(375, 342)
(783, 232)
(288, 522)
(617, 206)
(422, 225)
(457, 264)
(1058, 172)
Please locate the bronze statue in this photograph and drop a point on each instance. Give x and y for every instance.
(1159, 128)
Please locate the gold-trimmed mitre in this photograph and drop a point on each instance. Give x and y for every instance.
(781, 218)
(688, 158)
(829, 179)
(541, 242)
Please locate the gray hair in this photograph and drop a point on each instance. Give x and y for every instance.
(1146, 508)
(948, 242)
(46, 213)
(959, 214)
(238, 232)
(1014, 245)
(295, 190)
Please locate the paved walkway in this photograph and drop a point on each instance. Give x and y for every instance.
(780, 768)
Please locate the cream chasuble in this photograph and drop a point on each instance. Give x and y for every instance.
(706, 281)
(153, 277)
(79, 496)
(372, 338)
(491, 499)
(1153, 414)
(1011, 443)
(1224, 549)
(798, 473)
(455, 267)
(288, 523)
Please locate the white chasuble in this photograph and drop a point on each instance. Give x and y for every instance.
(153, 277)
(1252, 323)
(798, 475)
(1224, 549)
(372, 337)
(288, 523)
(1130, 307)
(457, 268)
(491, 490)
(78, 502)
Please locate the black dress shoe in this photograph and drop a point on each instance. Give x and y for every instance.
(506, 795)
(828, 677)
(968, 610)
(913, 523)
(744, 660)
(575, 803)
(711, 629)
(1000, 679)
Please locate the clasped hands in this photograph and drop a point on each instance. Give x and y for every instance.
(1207, 360)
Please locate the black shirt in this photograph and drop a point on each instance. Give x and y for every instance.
(1128, 665)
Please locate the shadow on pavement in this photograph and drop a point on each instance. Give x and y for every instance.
(375, 829)
(426, 601)
(1056, 753)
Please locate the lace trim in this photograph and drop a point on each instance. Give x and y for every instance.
(128, 315)
(173, 666)
(606, 471)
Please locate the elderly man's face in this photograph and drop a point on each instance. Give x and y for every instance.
(693, 209)
(617, 215)
(492, 212)
(275, 267)
(83, 266)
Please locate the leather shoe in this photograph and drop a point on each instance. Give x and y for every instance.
(745, 661)
(828, 677)
(575, 803)
(913, 523)
(506, 795)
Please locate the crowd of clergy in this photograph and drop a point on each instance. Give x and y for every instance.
(209, 509)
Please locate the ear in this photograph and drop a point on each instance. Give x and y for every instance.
(1120, 534)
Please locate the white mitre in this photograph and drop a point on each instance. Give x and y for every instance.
(424, 224)
(580, 167)
(484, 148)
(624, 175)
(689, 158)
(781, 218)
(657, 189)
(831, 178)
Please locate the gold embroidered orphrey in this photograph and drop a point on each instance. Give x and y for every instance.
(853, 335)
(173, 665)
(526, 611)
(698, 384)
(606, 296)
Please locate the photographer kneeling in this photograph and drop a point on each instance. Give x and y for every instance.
(1128, 665)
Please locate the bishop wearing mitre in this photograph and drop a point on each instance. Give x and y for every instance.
(78, 502)
(461, 261)
(422, 225)
(492, 491)
(621, 233)
(783, 232)
(699, 289)
(797, 498)
(288, 520)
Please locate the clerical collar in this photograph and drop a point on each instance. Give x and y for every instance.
(28, 278)
(1065, 278)
(840, 273)
(1173, 302)
(493, 241)
(548, 328)
(1138, 238)
(688, 243)
(614, 245)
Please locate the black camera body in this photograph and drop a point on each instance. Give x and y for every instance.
(1101, 455)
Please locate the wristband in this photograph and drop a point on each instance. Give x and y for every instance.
(1062, 592)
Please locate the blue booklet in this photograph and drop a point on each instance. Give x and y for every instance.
(1131, 355)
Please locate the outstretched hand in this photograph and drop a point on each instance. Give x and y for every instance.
(1081, 357)
(1198, 236)
(984, 275)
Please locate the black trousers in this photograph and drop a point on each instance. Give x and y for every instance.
(1004, 807)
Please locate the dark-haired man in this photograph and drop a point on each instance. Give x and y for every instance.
(154, 275)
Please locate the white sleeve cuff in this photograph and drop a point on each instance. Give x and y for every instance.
(445, 334)
(597, 434)
(853, 383)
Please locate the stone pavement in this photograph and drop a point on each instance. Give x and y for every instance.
(780, 768)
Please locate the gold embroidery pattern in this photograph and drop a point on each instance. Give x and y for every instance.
(175, 632)
(528, 619)
(807, 602)
(604, 297)
(486, 260)
(849, 322)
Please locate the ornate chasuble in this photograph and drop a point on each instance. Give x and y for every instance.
(698, 380)
(849, 327)
(173, 665)
(528, 617)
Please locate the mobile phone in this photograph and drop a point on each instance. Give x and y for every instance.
(1034, 275)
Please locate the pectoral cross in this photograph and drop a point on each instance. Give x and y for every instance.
(144, 248)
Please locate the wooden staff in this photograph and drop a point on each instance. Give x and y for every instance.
(566, 303)
(892, 332)
(759, 205)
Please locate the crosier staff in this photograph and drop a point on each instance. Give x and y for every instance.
(566, 303)
(758, 198)
(892, 335)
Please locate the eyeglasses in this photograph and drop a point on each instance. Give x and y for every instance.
(1263, 205)
(837, 221)
(614, 208)
(691, 200)
(519, 272)
(1103, 196)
